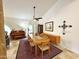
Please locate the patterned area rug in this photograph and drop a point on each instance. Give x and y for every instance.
(25, 53)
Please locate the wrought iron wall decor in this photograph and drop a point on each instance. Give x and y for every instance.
(64, 26)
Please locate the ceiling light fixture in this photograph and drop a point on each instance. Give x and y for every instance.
(34, 15)
(34, 7)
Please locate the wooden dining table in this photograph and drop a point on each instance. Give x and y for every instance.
(37, 40)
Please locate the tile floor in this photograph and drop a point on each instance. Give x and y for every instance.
(12, 51)
(66, 54)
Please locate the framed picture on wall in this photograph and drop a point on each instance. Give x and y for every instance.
(49, 26)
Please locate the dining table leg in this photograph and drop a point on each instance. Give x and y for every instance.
(36, 50)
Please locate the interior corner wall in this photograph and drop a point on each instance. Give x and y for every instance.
(67, 10)
(13, 23)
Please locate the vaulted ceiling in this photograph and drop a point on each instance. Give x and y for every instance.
(23, 9)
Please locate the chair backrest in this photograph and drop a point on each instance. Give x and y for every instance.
(46, 42)
(55, 39)
(30, 40)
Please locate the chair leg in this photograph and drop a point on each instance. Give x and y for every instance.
(49, 52)
(31, 50)
(42, 54)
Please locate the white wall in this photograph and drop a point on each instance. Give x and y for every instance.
(12, 23)
(65, 10)
(34, 24)
(16, 24)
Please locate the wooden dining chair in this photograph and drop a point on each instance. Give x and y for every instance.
(45, 46)
(31, 44)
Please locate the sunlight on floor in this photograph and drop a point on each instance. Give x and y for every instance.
(66, 54)
(12, 51)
